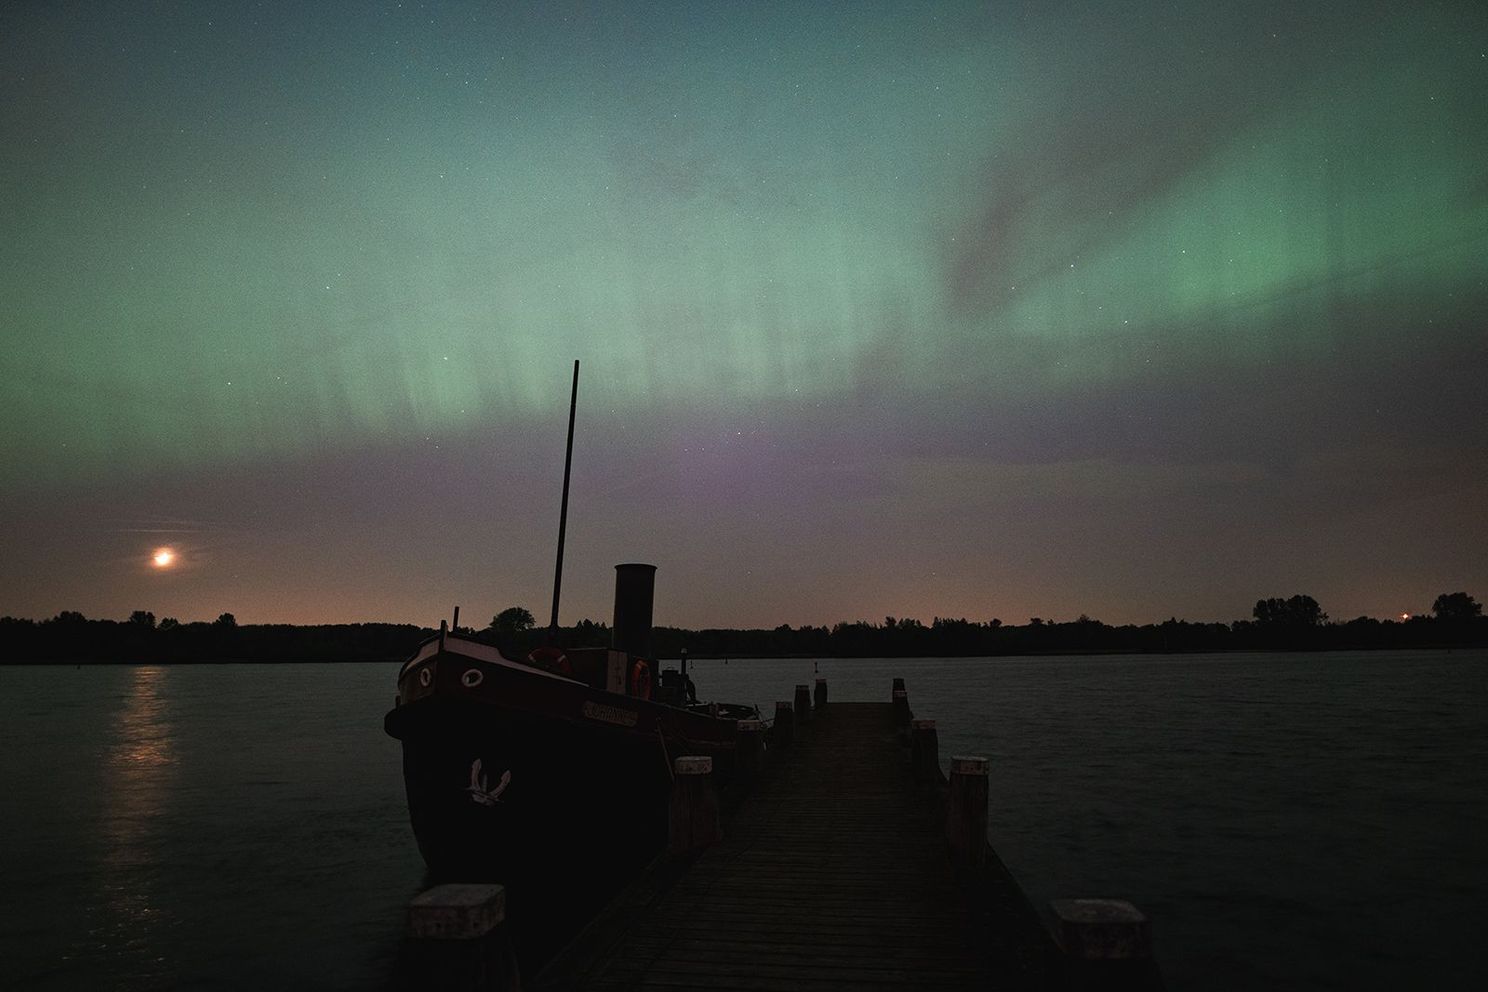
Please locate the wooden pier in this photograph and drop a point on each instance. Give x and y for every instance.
(834, 873)
(849, 862)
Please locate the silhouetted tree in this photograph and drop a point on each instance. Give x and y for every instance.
(225, 620)
(591, 632)
(512, 620)
(169, 623)
(143, 618)
(1299, 611)
(1456, 606)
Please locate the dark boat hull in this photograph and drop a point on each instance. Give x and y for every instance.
(554, 788)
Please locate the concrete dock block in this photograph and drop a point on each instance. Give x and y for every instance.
(1102, 929)
(457, 941)
(456, 911)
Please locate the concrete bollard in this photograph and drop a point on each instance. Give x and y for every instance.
(694, 822)
(785, 725)
(821, 695)
(803, 706)
(750, 761)
(966, 812)
(1107, 944)
(924, 752)
(901, 709)
(456, 940)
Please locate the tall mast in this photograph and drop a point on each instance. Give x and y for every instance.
(573, 404)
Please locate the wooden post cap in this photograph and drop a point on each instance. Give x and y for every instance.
(751, 725)
(1102, 929)
(923, 724)
(820, 680)
(694, 764)
(457, 911)
(801, 687)
(963, 764)
(900, 694)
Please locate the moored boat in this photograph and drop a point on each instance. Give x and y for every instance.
(549, 773)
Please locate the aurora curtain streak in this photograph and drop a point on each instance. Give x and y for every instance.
(262, 238)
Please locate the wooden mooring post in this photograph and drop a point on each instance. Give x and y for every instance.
(783, 731)
(924, 752)
(751, 751)
(803, 706)
(821, 695)
(457, 941)
(966, 811)
(901, 709)
(693, 823)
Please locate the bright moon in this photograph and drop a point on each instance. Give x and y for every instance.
(164, 558)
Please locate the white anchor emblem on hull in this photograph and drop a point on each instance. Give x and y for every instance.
(478, 789)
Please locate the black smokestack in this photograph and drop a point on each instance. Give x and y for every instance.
(635, 586)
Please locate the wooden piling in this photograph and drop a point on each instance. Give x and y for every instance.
(694, 822)
(898, 685)
(901, 709)
(784, 730)
(924, 752)
(821, 695)
(456, 940)
(966, 812)
(803, 705)
(751, 751)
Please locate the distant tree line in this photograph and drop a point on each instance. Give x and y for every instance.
(71, 637)
(1296, 623)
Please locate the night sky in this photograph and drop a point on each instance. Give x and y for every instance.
(988, 310)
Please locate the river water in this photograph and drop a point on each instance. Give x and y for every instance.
(1287, 820)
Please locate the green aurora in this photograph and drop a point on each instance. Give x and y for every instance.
(246, 239)
(210, 262)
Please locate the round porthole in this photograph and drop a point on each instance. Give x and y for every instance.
(472, 678)
(425, 677)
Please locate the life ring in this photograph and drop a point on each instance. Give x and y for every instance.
(550, 659)
(640, 680)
